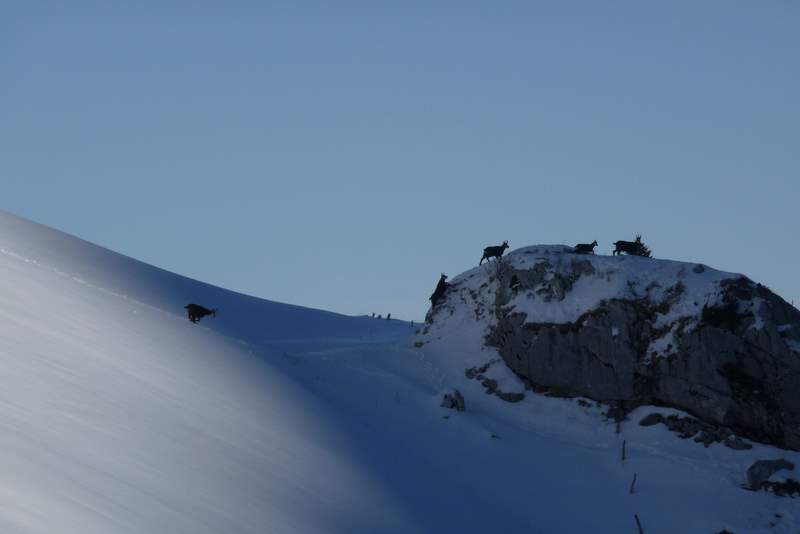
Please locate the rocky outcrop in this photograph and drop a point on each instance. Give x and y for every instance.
(453, 401)
(701, 432)
(760, 471)
(490, 385)
(716, 345)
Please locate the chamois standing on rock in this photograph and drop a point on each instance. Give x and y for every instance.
(586, 248)
(636, 248)
(493, 252)
(197, 312)
(438, 293)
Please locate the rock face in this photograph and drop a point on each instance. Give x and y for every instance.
(642, 331)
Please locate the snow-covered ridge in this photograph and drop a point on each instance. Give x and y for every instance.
(570, 284)
(610, 277)
(241, 316)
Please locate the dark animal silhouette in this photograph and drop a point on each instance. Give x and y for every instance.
(627, 246)
(586, 248)
(635, 248)
(389, 317)
(197, 312)
(515, 283)
(493, 252)
(438, 293)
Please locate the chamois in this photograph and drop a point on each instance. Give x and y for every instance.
(586, 248)
(636, 248)
(438, 293)
(493, 252)
(197, 312)
(627, 246)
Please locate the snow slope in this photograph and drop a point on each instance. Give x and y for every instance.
(241, 316)
(117, 415)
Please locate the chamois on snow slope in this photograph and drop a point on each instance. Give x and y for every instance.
(197, 312)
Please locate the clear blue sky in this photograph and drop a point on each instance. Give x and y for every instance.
(343, 157)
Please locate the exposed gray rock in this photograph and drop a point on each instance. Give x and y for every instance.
(509, 397)
(702, 432)
(788, 488)
(729, 365)
(652, 419)
(474, 372)
(454, 401)
(490, 385)
(760, 471)
(736, 443)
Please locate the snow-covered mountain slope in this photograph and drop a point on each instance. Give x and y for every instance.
(117, 415)
(241, 316)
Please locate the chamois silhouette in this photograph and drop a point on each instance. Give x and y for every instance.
(438, 293)
(636, 248)
(493, 252)
(197, 312)
(586, 248)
